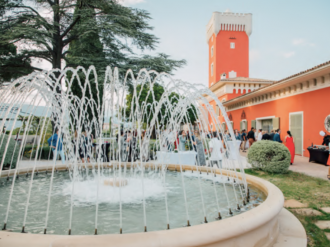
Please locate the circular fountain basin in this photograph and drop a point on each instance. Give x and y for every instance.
(121, 196)
(260, 226)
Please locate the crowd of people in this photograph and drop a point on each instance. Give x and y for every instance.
(132, 145)
(205, 143)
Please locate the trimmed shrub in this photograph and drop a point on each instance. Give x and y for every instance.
(42, 153)
(269, 156)
(11, 154)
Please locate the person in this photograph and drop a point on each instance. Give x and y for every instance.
(193, 141)
(216, 150)
(202, 134)
(237, 135)
(227, 136)
(243, 137)
(326, 141)
(277, 137)
(200, 149)
(132, 146)
(83, 147)
(266, 136)
(182, 140)
(289, 143)
(144, 147)
(259, 135)
(89, 139)
(272, 133)
(170, 138)
(56, 144)
(122, 144)
(326, 138)
(251, 136)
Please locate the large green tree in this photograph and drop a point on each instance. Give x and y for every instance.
(147, 102)
(12, 65)
(123, 32)
(87, 51)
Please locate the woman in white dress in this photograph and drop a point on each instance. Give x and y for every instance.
(216, 150)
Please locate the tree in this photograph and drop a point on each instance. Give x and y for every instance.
(87, 51)
(121, 30)
(146, 100)
(12, 65)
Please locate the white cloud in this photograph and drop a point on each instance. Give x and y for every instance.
(288, 54)
(130, 2)
(298, 41)
(302, 42)
(254, 55)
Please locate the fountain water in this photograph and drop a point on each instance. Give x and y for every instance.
(136, 155)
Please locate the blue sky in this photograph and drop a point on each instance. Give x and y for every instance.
(287, 36)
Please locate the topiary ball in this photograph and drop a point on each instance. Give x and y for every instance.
(269, 156)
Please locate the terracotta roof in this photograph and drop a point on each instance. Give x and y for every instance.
(286, 78)
(245, 79)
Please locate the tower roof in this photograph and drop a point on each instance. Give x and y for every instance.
(228, 21)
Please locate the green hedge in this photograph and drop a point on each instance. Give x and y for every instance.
(269, 156)
(10, 160)
(44, 152)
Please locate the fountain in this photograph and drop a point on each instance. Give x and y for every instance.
(136, 181)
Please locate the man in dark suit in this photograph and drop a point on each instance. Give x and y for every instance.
(277, 137)
(251, 136)
(272, 133)
(266, 136)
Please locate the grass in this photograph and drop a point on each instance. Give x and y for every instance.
(314, 192)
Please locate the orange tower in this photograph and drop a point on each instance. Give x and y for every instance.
(228, 39)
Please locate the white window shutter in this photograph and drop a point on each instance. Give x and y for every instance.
(253, 123)
(276, 123)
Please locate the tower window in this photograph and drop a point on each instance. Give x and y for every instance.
(232, 45)
(212, 69)
(212, 51)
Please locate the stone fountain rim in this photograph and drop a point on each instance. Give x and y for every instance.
(214, 232)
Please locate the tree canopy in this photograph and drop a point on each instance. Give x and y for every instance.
(44, 29)
(12, 65)
(146, 100)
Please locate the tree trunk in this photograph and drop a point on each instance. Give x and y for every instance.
(57, 56)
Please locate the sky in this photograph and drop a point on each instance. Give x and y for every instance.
(287, 36)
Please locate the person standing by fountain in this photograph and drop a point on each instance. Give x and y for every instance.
(144, 147)
(200, 149)
(89, 139)
(83, 148)
(289, 143)
(251, 136)
(216, 150)
(56, 143)
(182, 140)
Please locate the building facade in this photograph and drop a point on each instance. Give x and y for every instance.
(297, 103)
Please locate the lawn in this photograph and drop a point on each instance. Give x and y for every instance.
(314, 192)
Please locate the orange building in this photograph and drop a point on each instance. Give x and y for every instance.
(228, 39)
(297, 103)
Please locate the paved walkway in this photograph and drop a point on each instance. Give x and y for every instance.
(302, 165)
